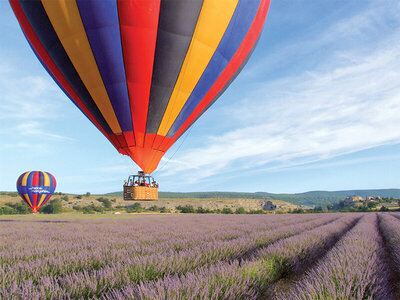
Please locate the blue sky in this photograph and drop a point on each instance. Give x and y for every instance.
(316, 108)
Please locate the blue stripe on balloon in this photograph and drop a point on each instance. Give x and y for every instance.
(19, 181)
(51, 181)
(40, 23)
(235, 33)
(28, 185)
(100, 19)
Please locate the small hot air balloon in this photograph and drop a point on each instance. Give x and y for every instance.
(35, 188)
(142, 71)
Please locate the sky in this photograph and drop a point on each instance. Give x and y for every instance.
(317, 107)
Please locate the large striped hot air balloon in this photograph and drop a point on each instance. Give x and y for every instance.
(142, 70)
(35, 188)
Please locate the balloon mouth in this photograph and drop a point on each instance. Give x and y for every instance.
(34, 210)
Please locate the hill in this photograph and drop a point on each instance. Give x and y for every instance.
(306, 198)
(70, 200)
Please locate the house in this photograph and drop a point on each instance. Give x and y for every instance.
(269, 206)
(351, 200)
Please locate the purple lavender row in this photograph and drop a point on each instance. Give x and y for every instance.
(123, 241)
(97, 257)
(124, 236)
(233, 281)
(390, 228)
(354, 269)
(90, 283)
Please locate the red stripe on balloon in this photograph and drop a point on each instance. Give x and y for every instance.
(234, 64)
(35, 182)
(138, 26)
(41, 52)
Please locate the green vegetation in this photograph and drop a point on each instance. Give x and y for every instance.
(189, 209)
(106, 202)
(54, 207)
(319, 198)
(15, 209)
(11, 194)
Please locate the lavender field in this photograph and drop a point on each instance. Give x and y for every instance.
(315, 256)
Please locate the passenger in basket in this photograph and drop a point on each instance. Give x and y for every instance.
(137, 183)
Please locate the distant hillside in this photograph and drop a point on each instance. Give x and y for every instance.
(307, 198)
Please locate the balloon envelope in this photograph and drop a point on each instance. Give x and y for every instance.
(35, 188)
(142, 71)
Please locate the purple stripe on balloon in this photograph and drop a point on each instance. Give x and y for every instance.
(100, 19)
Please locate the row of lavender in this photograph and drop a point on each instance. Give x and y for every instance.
(355, 268)
(335, 256)
(88, 258)
(249, 279)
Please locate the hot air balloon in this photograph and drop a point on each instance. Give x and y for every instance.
(35, 188)
(142, 71)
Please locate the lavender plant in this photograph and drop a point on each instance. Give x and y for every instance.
(250, 278)
(354, 269)
(87, 258)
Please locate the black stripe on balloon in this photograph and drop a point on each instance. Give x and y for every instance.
(225, 86)
(37, 17)
(176, 25)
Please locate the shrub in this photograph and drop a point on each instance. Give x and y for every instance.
(54, 207)
(240, 210)
(154, 208)
(187, 209)
(134, 208)
(15, 209)
(201, 210)
(256, 212)
(227, 210)
(164, 210)
(106, 202)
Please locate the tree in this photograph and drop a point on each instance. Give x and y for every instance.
(240, 210)
(164, 210)
(384, 208)
(106, 202)
(54, 207)
(201, 210)
(136, 207)
(187, 209)
(87, 194)
(227, 210)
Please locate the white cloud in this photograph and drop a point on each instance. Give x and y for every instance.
(26, 106)
(349, 102)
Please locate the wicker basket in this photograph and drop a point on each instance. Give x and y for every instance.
(140, 193)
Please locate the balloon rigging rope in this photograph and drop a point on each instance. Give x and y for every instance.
(168, 159)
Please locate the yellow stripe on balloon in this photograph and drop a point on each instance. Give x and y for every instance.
(41, 200)
(214, 18)
(25, 178)
(28, 200)
(66, 20)
(46, 179)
